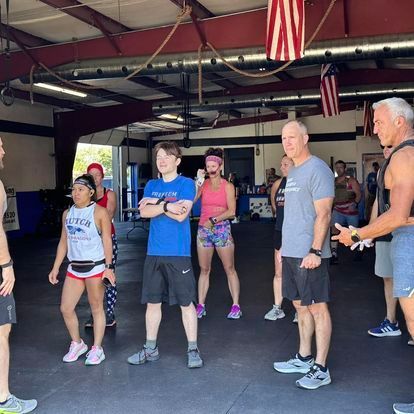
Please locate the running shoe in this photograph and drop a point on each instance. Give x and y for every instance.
(193, 359)
(235, 312)
(144, 355)
(275, 313)
(201, 311)
(110, 321)
(76, 349)
(401, 408)
(386, 328)
(411, 342)
(314, 379)
(16, 405)
(294, 365)
(295, 318)
(95, 356)
(89, 322)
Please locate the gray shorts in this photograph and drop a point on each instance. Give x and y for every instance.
(383, 262)
(7, 310)
(402, 255)
(307, 285)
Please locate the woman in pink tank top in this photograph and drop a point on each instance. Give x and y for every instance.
(218, 205)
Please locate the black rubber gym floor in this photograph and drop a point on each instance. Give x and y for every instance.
(368, 374)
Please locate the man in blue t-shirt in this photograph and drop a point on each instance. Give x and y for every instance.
(371, 188)
(168, 272)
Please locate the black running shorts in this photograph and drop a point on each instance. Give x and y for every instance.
(277, 239)
(307, 285)
(7, 310)
(168, 279)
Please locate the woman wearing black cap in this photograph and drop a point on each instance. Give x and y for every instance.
(86, 240)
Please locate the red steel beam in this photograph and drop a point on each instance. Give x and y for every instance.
(227, 32)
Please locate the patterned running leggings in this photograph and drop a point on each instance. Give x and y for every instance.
(111, 292)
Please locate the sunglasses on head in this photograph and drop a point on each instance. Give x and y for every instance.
(385, 146)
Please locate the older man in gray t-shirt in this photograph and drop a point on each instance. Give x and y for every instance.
(309, 194)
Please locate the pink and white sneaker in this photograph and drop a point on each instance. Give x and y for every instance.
(235, 312)
(76, 349)
(95, 356)
(201, 311)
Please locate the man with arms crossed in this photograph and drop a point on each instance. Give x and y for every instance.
(393, 122)
(168, 273)
(309, 195)
(8, 402)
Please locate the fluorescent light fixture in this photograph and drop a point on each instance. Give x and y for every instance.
(60, 89)
(168, 116)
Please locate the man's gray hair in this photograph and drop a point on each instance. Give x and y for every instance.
(397, 107)
(300, 124)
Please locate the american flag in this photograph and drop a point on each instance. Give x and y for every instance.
(329, 90)
(368, 119)
(285, 29)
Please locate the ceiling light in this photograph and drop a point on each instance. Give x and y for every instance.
(60, 89)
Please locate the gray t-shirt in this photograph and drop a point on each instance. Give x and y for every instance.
(311, 181)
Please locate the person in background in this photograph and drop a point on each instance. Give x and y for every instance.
(272, 178)
(277, 199)
(9, 403)
(218, 205)
(371, 190)
(235, 181)
(106, 198)
(345, 205)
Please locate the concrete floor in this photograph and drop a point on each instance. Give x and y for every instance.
(368, 374)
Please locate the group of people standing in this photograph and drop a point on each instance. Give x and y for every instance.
(302, 199)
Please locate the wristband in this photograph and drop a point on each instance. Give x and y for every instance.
(160, 200)
(165, 206)
(109, 266)
(8, 264)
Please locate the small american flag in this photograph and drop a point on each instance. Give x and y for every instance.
(368, 119)
(285, 29)
(329, 91)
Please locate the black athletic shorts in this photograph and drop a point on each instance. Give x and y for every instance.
(168, 279)
(277, 239)
(7, 310)
(307, 285)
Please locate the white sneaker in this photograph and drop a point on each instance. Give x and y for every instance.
(76, 349)
(95, 356)
(275, 313)
(294, 365)
(295, 318)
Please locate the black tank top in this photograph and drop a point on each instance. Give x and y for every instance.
(383, 193)
(280, 204)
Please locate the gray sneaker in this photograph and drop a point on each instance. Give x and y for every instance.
(314, 379)
(294, 365)
(16, 405)
(146, 354)
(275, 313)
(194, 359)
(401, 408)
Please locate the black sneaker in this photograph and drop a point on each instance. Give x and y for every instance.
(89, 322)
(110, 321)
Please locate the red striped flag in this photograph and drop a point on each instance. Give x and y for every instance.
(368, 119)
(285, 29)
(329, 90)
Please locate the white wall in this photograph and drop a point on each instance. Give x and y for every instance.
(270, 154)
(29, 160)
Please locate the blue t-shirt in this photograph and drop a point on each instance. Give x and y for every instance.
(168, 237)
(372, 183)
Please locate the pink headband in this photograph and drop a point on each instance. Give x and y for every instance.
(214, 158)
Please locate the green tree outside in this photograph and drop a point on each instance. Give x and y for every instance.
(88, 153)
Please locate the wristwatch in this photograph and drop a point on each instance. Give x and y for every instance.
(109, 266)
(315, 251)
(355, 236)
(213, 220)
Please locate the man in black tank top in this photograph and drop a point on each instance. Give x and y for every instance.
(393, 122)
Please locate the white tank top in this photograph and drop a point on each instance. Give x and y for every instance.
(83, 238)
